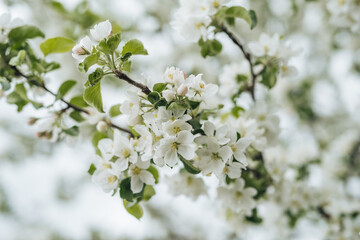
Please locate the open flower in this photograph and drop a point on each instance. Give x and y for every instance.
(139, 176)
(171, 146)
(265, 46)
(101, 30)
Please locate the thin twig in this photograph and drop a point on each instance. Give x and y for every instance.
(69, 105)
(247, 55)
(124, 77)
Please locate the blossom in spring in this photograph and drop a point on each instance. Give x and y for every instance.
(131, 108)
(171, 147)
(237, 197)
(139, 176)
(238, 147)
(184, 183)
(107, 179)
(6, 24)
(101, 31)
(229, 79)
(83, 48)
(265, 46)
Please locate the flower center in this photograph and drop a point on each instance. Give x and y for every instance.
(112, 179)
(126, 153)
(216, 4)
(174, 146)
(106, 165)
(135, 171)
(238, 194)
(215, 156)
(176, 129)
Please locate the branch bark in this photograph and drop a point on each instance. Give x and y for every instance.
(69, 105)
(124, 77)
(247, 55)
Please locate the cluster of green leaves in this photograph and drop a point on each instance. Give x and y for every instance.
(226, 15)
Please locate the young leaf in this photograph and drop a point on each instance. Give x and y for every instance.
(73, 131)
(126, 66)
(253, 18)
(159, 87)
(189, 167)
(135, 47)
(153, 97)
(18, 59)
(269, 77)
(154, 172)
(90, 60)
(149, 191)
(65, 88)
(209, 47)
(76, 116)
(79, 102)
(239, 12)
(56, 45)
(95, 76)
(92, 96)
(20, 34)
(92, 169)
(115, 110)
(134, 209)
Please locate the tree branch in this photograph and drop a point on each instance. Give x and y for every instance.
(124, 77)
(69, 105)
(247, 55)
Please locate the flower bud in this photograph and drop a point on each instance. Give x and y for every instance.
(182, 90)
(168, 95)
(101, 126)
(32, 121)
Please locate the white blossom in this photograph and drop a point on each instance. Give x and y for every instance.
(101, 31)
(139, 176)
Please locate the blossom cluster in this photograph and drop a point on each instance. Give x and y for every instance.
(192, 20)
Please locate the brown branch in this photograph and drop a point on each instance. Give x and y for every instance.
(124, 77)
(69, 105)
(247, 55)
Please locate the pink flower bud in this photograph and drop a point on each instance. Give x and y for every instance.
(101, 126)
(182, 90)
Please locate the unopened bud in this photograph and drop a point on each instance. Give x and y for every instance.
(182, 90)
(101, 126)
(32, 121)
(168, 95)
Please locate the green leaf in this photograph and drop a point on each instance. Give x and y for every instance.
(115, 110)
(79, 101)
(5, 84)
(209, 47)
(235, 111)
(76, 116)
(96, 76)
(193, 104)
(126, 193)
(254, 218)
(20, 98)
(65, 88)
(51, 66)
(92, 96)
(56, 45)
(114, 41)
(161, 102)
(135, 47)
(153, 97)
(189, 167)
(239, 12)
(159, 87)
(92, 169)
(126, 66)
(20, 34)
(154, 172)
(253, 19)
(134, 209)
(269, 76)
(149, 192)
(97, 137)
(18, 59)
(241, 78)
(91, 60)
(195, 123)
(73, 131)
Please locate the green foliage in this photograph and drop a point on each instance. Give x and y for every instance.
(76, 116)
(65, 88)
(126, 66)
(228, 14)
(91, 60)
(189, 167)
(126, 193)
(269, 76)
(159, 87)
(109, 45)
(135, 47)
(294, 217)
(5, 84)
(154, 172)
(254, 218)
(149, 192)
(92, 96)
(209, 47)
(134, 209)
(19, 97)
(22, 33)
(92, 169)
(73, 131)
(96, 76)
(153, 97)
(18, 59)
(115, 110)
(97, 137)
(56, 45)
(79, 101)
